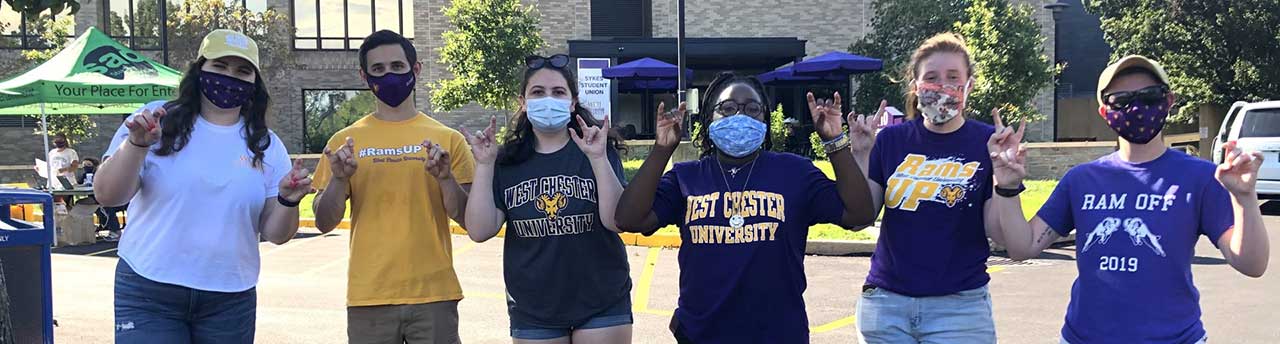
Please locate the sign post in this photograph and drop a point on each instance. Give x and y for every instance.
(594, 90)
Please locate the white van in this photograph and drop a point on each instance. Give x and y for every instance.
(1256, 127)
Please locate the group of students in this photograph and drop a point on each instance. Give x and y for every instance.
(207, 179)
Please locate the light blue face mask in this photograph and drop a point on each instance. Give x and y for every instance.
(738, 135)
(548, 114)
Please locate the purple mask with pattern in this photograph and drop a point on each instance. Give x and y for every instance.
(1138, 123)
(224, 91)
(391, 88)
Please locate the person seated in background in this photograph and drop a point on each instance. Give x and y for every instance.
(108, 217)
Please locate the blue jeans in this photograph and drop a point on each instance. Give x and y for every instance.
(618, 315)
(152, 312)
(960, 318)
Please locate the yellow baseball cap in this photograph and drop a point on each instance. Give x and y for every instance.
(222, 43)
(1139, 61)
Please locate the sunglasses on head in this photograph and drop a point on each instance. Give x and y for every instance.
(556, 61)
(1149, 95)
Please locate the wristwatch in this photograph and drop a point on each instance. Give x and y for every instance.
(837, 144)
(1010, 192)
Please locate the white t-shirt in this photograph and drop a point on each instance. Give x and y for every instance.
(60, 161)
(194, 220)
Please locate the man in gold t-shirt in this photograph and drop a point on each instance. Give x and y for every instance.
(406, 175)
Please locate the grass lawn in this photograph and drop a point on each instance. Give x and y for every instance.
(1035, 196)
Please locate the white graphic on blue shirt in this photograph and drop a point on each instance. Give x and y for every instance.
(1138, 232)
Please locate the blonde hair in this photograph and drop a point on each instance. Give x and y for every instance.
(945, 42)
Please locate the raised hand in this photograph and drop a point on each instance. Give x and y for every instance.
(862, 129)
(439, 162)
(484, 145)
(1008, 155)
(144, 129)
(827, 120)
(342, 162)
(1238, 172)
(670, 126)
(593, 141)
(297, 184)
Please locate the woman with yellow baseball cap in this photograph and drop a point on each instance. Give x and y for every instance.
(204, 179)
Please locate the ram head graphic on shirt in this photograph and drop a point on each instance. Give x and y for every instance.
(551, 205)
(919, 179)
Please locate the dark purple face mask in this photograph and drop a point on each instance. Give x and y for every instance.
(392, 89)
(224, 91)
(1139, 122)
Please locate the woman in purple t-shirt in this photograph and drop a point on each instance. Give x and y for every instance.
(933, 175)
(744, 214)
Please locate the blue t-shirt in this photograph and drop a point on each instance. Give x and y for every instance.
(745, 284)
(1139, 226)
(933, 237)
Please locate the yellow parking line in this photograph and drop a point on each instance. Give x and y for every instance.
(467, 246)
(831, 326)
(641, 303)
(994, 269)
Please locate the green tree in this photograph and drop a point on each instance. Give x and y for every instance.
(53, 34)
(484, 52)
(1004, 38)
(271, 29)
(1011, 65)
(330, 111)
(778, 129)
(898, 26)
(1215, 52)
(34, 8)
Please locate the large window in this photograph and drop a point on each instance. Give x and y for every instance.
(343, 24)
(136, 23)
(19, 31)
(1261, 123)
(327, 111)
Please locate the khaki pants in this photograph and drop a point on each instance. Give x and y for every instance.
(426, 323)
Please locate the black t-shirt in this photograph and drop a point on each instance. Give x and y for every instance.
(561, 265)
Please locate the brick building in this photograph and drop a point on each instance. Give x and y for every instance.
(744, 36)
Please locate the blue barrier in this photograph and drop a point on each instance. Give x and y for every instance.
(26, 290)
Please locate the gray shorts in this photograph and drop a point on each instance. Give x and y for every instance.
(434, 323)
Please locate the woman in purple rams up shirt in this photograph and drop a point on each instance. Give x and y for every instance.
(933, 175)
(744, 214)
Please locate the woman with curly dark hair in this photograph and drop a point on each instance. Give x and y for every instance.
(555, 183)
(744, 214)
(205, 180)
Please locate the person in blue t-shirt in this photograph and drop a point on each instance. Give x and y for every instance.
(744, 214)
(933, 176)
(1140, 212)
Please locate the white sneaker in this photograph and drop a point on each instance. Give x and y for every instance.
(114, 236)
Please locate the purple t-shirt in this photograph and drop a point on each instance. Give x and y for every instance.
(1139, 224)
(745, 284)
(933, 237)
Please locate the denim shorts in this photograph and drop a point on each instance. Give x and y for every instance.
(618, 315)
(960, 318)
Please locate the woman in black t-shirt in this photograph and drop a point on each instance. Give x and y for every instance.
(554, 183)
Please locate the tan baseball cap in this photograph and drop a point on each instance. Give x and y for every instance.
(1139, 61)
(222, 43)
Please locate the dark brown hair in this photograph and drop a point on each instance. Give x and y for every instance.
(180, 115)
(519, 143)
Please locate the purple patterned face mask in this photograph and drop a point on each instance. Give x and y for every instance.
(224, 91)
(391, 88)
(1139, 122)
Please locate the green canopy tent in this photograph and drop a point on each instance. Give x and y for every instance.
(92, 75)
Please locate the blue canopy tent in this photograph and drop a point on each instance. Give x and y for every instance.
(644, 76)
(837, 64)
(786, 76)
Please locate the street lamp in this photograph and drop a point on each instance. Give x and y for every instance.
(1057, 9)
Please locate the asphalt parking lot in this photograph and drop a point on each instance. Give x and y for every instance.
(302, 291)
